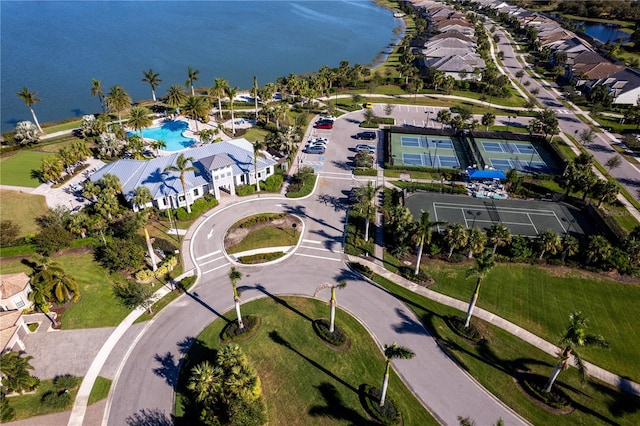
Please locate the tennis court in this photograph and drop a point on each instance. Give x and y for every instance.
(525, 218)
(426, 149)
(524, 156)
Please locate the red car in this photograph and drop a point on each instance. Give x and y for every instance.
(324, 125)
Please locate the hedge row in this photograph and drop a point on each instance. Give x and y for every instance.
(197, 208)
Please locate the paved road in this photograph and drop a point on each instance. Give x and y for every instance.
(147, 379)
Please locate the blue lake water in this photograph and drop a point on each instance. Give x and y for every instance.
(56, 47)
(604, 32)
(171, 133)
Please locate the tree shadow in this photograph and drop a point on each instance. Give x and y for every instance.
(331, 200)
(622, 402)
(408, 324)
(300, 211)
(168, 370)
(282, 302)
(335, 408)
(149, 417)
(275, 336)
(196, 297)
(329, 241)
(342, 165)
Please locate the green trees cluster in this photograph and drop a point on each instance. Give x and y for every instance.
(579, 176)
(227, 390)
(52, 167)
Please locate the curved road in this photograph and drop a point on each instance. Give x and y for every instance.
(147, 377)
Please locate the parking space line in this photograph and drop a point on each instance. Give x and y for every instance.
(312, 241)
(212, 260)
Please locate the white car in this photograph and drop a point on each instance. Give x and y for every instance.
(318, 139)
(364, 147)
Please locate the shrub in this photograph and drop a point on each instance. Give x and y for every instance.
(457, 325)
(9, 231)
(457, 258)
(144, 275)
(66, 381)
(388, 414)
(245, 190)
(57, 400)
(261, 257)
(187, 282)
(52, 239)
(232, 332)
(337, 338)
(197, 208)
(363, 269)
(365, 172)
(272, 183)
(165, 245)
(247, 413)
(260, 218)
(119, 254)
(6, 412)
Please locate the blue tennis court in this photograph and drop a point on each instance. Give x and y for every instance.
(410, 141)
(520, 165)
(492, 147)
(525, 148)
(430, 160)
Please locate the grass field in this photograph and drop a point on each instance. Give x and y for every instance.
(16, 169)
(303, 381)
(495, 363)
(29, 405)
(22, 209)
(541, 299)
(98, 306)
(269, 236)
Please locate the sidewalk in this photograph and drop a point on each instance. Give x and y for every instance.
(594, 371)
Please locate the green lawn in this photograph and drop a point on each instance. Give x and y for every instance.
(495, 363)
(100, 390)
(269, 236)
(303, 381)
(22, 209)
(16, 169)
(98, 306)
(541, 299)
(29, 405)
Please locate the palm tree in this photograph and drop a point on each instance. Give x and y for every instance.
(141, 197)
(139, 119)
(488, 119)
(484, 264)
(196, 107)
(175, 97)
(192, 76)
(549, 242)
(598, 248)
(607, 191)
(15, 372)
(570, 246)
(444, 117)
(55, 281)
(424, 235)
(97, 90)
(499, 235)
(157, 145)
(40, 295)
(29, 98)
(456, 236)
(220, 88)
(365, 196)
(232, 92)
(182, 166)
(255, 91)
(476, 241)
(204, 383)
(575, 337)
(257, 147)
(153, 78)
(118, 99)
(332, 302)
(234, 276)
(391, 352)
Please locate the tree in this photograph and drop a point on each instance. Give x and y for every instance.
(424, 235)
(54, 280)
(484, 263)
(7, 413)
(365, 195)
(9, 231)
(519, 74)
(498, 235)
(192, 75)
(456, 236)
(51, 239)
(158, 144)
(598, 249)
(29, 98)
(488, 119)
(476, 241)
(139, 119)
(26, 133)
(234, 277)
(220, 89)
(613, 162)
(332, 302)
(255, 92)
(575, 337)
(121, 255)
(570, 246)
(232, 92)
(153, 78)
(131, 295)
(119, 100)
(182, 166)
(197, 108)
(141, 197)
(97, 89)
(392, 352)
(51, 168)
(586, 136)
(606, 191)
(444, 117)
(258, 146)
(549, 242)
(15, 373)
(175, 97)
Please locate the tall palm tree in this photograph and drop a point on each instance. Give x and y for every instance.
(498, 235)
(182, 166)
(153, 78)
(97, 89)
(549, 242)
(234, 277)
(255, 91)
(476, 241)
(598, 249)
(258, 146)
(570, 246)
(220, 89)
(484, 264)
(232, 92)
(424, 235)
(574, 337)
(141, 197)
(192, 75)
(196, 107)
(391, 352)
(455, 236)
(332, 302)
(175, 97)
(139, 119)
(119, 100)
(365, 196)
(29, 98)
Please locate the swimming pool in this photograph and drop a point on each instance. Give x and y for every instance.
(171, 133)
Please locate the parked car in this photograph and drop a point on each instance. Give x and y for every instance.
(364, 147)
(320, 144)
(369, 136)
(314, 150)
(368, 105)
(327, 118)
(324, 125)
(318, 139)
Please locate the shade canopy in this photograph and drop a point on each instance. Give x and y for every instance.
(487, 174)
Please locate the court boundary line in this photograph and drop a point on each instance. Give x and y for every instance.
(520, 210)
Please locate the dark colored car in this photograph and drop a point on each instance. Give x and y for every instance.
(368, 136)
(324, 125)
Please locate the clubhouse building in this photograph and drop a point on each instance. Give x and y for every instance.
(219, 167)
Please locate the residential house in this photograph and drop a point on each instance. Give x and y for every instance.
(624, 86)
(219, 167)
(14, 289)
(12, 331)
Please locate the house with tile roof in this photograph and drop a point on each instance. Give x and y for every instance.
(14, 292)
(221, 166)
(12, 331)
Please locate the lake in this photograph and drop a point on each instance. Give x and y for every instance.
(604, 32)
(55, 48)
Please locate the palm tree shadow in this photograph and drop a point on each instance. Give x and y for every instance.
(408, 325)
(169, 368)
(335, 408)
(282, 302)
(621, 402)
(275, 336)
(149, 417)
(300, 211)
(195, 297)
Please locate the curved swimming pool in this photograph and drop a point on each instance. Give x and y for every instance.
(171, 133)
